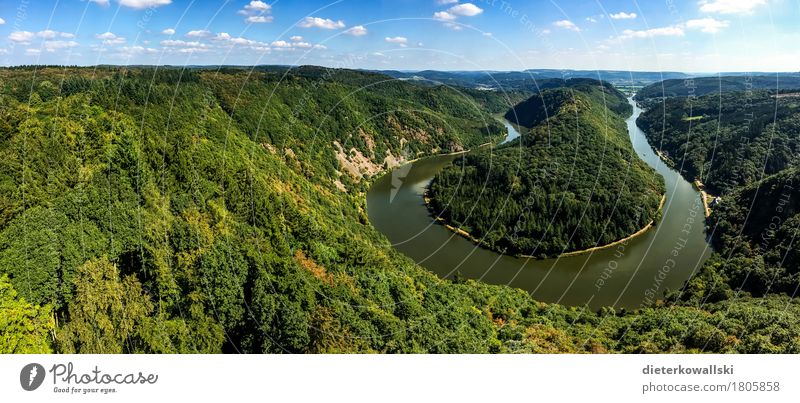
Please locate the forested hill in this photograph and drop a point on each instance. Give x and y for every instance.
(758, 226)
(531, 80)
(726, 140)
(571, 183)
(710, 85)
(742, 145)
(539, 108)
(196, 211)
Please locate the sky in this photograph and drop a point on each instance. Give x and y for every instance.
(644, 35)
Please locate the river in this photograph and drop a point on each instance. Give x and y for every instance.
(628, 275)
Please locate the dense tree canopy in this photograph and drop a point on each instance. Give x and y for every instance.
(728, 139)
(24, 328)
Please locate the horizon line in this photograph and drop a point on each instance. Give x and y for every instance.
(396, 69)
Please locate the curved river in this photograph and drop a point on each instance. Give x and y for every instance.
(626, 275)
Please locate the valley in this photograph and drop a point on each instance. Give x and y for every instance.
(223, 210)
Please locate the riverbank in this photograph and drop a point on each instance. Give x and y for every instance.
(644, 229)
(705, 196)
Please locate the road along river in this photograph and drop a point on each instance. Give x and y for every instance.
(627, 275)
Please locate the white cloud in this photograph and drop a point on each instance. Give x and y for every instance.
(192, 50)
(623, 16)
(591, 19)
(707, 25)
(242, 41)
(443, 16)
(142, 4)
(400, 40)
(451, 15)
(26, 37)
(52, 46)
(649, 33)
(324, 23)
(21, 36)
(567, 24)
(105, 35)
(49, 34)
(281, 44)
(200, 33)
(103, 3)
(730, 6)
(239, 41)
(168, 31)
(32, 52)
(465, 10)
(254, 12)
(222, 36)
(109, 38)
(257, 6)
(136, 49)
(357, 30)
(179, 43)
(294, 45)
(443, 2)
(258, 19)
(2, 21)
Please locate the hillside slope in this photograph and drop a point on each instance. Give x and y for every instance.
(726, 140)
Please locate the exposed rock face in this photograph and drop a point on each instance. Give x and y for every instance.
(357, 165)
(340, 185)
(414, 133)
(354, 162)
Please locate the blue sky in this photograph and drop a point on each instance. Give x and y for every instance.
(680, 35)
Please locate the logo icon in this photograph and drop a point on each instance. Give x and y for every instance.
(31, 376)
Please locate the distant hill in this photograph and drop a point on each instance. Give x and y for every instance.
(708, 85)
(536, 109)
(530, 80)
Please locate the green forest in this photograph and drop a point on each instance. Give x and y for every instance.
(743, 146)
(699, 86)
(573, 182)
(148, 210)
(726, 140)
